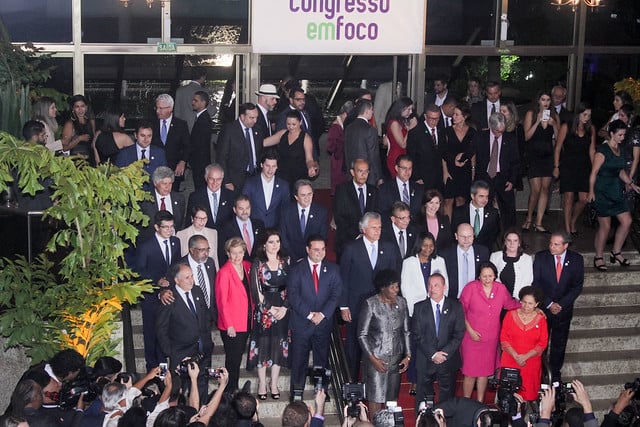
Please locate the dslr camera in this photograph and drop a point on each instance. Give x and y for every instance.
(183, 367)
(398, 417)
(507, 384)
(353, 393)
(320, 378)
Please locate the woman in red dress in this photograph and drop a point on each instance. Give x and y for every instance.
(400, 121)
(523, 338)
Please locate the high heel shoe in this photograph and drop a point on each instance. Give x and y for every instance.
(260, 395)
(541, 229)
(614, 258)
(600, 267)
(274, 396)
(526, 227)
(412, 390)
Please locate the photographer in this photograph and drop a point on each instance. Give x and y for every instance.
(350, 421)
(624, 400)
(548, 400)
(299, 414)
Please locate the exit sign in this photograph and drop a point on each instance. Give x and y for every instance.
(167, 47)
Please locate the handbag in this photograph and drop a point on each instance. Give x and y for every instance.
(590, 217)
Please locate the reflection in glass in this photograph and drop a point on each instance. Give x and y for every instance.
(460, 22)
(46, 21)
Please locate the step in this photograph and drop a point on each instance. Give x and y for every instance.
(604, 387)
(605, 317)
(615, 276)
(603, 362)
(586, 340)
(611, 295)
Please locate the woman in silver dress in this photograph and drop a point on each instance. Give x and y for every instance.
(383, 333)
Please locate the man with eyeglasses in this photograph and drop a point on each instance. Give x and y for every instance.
(425, 144)
(399, 229)
(164, 199)
(402, 189)
(199, 218)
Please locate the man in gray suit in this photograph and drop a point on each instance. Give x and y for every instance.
(184, 96)
(361, 142)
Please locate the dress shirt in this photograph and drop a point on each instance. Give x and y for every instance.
(200, 112)
(400, 185)
(396, 233)
(249, 229)
(267, 189)
(367, 244)
(163, 248)
(194, 268)
(462, 281)
(183, 295)
(364, 191)
(432, 132)
(139, 152)
(439, 100)
(265, 114)
(319, 264)
(306, 213)
(563, 255)
(492, 136)
(490, 105)
(167, 202)
(472, 215)
(168, 121)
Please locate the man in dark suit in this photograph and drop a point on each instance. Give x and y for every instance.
(164, 199)
(184, 95)
(252, 231)
(361, 142)
(463, 260)
(480, 111)
(141, 150)
(353, 198)
(440, 91)
(298, 101)
(497, 164)
(360, 261)
(398, 229)
(484, 218)
(424, 145)
(184, 326)
(204, 271)
(240, 147)
(294, 231)
(267, 100)
(268, 193)
(217, 199)
(437, 326)
(172, 134)
(153, 258)
(558, 98)
(401, 189)
(446, 112)
(313, 289)
(200, 153)
(559, 273)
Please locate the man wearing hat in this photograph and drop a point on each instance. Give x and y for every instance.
(267, 100)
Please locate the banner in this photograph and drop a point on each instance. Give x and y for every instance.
(390, 27)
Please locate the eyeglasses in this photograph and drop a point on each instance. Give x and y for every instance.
(165, 227)
(402, 218)
(202, 249)
(201, 218)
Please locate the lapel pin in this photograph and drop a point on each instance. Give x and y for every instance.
(324, 270)
(310, 216)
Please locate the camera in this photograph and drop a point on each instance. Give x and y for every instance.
(634, 386)
(507, 384)
(398, 417)
(183, 367)
(214, 373)
(164, 368)
(320, 378)
(353, 393)
(563, 395)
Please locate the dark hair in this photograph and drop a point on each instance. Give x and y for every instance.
(66, 361)
(479, 184)
(37, 374)
(615, 126)
(111, 120)
(432, 108)
(269, 155)
(363, 105)
(360, 93)
(301, 183)
(492, 83)
(624, 96)
(581, 108)
(417, 245)
(197, 208)
(487, 264)
(162, 216)
(395, 111)
(32, 128)
(247, 106)
(172, 417)
(294, 90)
(106, 365)
(628, 110)
(76, 98)
(198, 73)
(512, 230)
(144, 124)
(430, 194)
(403, 158)
(536, 105)
(399, 206)
(574, 417)
(26, 391)
(204, 96)
(241, 198)
(385, 278)
(441, 78)
(535, 292)
(244, 404)
(294, 114)
(295, 414)
(193, 240)
(261, 252)
(134, 417)
(315, 238)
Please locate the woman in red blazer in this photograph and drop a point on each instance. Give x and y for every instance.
(235, 308)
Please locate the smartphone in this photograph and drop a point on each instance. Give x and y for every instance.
(163, 370)
(545, 115)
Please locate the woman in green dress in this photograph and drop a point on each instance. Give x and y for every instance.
(606, 190)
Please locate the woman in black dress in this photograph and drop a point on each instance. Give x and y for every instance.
(575, 148)
(295, 152)
(111, 137)
(78, 131)
(269, 343)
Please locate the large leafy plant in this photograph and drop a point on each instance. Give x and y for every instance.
(74, 302)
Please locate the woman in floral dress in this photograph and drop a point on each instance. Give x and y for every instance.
(269, 343)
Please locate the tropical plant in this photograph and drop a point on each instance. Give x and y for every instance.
(75, 301)
(632, 86)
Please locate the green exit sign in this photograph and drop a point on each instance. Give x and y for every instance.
(167, 47)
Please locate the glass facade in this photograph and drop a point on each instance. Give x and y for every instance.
(47, 21)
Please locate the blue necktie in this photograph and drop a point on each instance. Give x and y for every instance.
(405, 193)
(374, 256)
(163, 132)
(437, 319)
(167, 253)
(303, 222)
(361, 199)
(190, 304)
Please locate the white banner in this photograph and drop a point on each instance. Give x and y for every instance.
(391, 27)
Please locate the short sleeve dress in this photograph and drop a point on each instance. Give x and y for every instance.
(609, 191)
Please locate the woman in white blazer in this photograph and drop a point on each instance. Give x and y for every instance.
(199, 219)
(515, 268)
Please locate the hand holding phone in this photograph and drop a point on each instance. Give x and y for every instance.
(546, 114)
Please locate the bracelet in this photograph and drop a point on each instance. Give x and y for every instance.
(556, 167)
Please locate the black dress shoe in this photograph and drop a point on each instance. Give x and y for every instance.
(412, 390)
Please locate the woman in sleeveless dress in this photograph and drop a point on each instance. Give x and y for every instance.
(78, 131)
(399, 122)
(295, 152)
(111, 138)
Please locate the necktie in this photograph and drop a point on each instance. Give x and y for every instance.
(493, 108)
(465, 270)
(142, 156)
(315, 277)
(433, 136)
(305, 122)
(492, 170)
(167, 252)
(558, 267)
(203, 285)
(361, 199)
(303, 222)
(403, 251)
(251, 168)
(215, 207)
(476, 224)
(163, 207)
(163, 132)
(246, 237)
(190, 304)
(374, 256)
(437, 318)
(405, 193)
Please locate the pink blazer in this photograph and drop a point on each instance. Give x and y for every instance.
(231, 298)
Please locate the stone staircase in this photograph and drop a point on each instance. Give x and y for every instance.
(604, 341)
(270, 410)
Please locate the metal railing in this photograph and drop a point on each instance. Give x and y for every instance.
(339, 371)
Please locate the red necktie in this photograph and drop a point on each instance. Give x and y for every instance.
(163, 207)
(558, 267)
(315, 277)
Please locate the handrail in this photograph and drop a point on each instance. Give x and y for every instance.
(339, 371)
(14, 211)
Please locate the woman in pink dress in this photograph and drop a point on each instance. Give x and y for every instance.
(482, 301)
(523, 338)
(400, 121)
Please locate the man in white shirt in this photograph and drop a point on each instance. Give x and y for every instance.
(268, 193)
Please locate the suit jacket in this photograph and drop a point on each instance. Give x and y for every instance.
(231, 229)
(178, 206)
(210, 271)
(412, 283)
(183, 109)
(565, 115)
(232, 298)
(448, 339)
(568, 289)
(479, 113)
(155, 156)
(430, 98)
(509, 160)
(200, 140)
(490, 224)
(388, 194)
(357, 273)
(280, 197)
(450, 256)
(445, 233)
(426, 155)
(410, 236)
(150, 260)
(346, 211)
(303, 298)
(294, 242)
(361, 142)
(233, 154)
(177, 146)
(261, 125)
(200, 197)
(178, 330)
